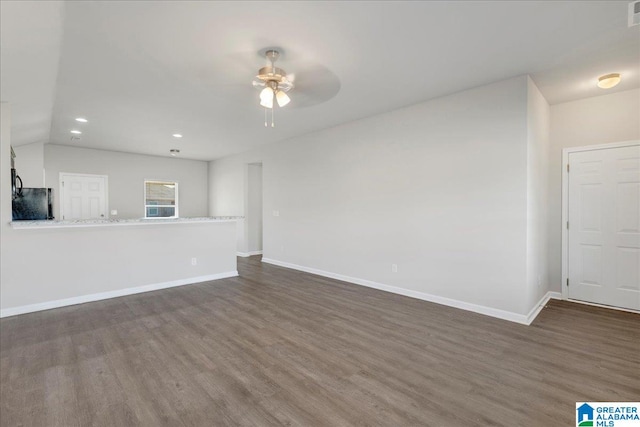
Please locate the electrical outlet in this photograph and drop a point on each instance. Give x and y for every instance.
(276, 213)
(394, 268)
(114, 212)
(194, 261)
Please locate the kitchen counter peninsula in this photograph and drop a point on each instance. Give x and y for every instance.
(117, 222)
(59, 263)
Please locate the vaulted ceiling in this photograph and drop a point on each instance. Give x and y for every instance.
(142, 71)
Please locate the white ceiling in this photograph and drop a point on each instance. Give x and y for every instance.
(141, 71)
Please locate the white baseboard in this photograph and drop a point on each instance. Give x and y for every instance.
(14, 311)
(538, 307)
(248, 254)
(481, 309)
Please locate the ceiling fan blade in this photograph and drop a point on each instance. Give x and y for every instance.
(313, 85)
(229, 75)
(224, 70)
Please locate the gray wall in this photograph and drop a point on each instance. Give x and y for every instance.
(439, 188)
(127, 173)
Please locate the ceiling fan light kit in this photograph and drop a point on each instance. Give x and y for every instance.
(266, 97)
(273, 83)
(282, 98)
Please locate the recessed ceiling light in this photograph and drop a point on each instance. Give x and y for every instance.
(608, 81)
(174, 152)
(77, 132)
(177, 135)
(81, 120)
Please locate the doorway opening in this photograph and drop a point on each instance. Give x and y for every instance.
(253, 211)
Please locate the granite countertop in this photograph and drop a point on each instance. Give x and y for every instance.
(118, 222)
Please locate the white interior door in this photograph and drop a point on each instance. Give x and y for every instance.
(83, 196)
(604, 226)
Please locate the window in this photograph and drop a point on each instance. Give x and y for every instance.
(160, 199)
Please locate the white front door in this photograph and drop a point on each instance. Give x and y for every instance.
(83, 196)
(604, 226)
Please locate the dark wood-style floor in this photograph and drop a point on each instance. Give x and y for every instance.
(279, 347)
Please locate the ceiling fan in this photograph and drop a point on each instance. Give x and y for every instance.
(313, 83)
(274, 84)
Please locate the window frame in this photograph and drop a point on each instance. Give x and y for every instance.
(176, 198)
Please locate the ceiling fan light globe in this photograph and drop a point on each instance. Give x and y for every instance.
(265, 94)
(267, 103)
(282, 98)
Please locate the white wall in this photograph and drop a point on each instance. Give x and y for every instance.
(598, 120)
(439, 188)
(30, 164)
(537, 194)
(127, 173)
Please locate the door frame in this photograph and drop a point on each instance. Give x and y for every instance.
(106, 190)
(565, 203)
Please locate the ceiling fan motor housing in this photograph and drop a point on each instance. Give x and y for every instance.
(271, 73)
(277, 75)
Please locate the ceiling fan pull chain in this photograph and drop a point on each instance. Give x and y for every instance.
(272, 123)
(265, 117)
